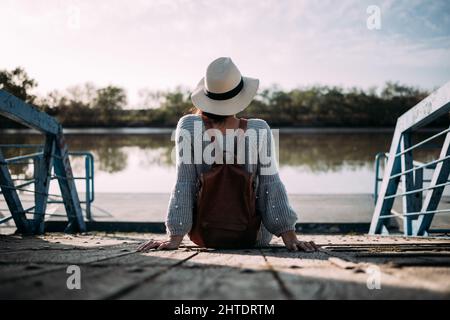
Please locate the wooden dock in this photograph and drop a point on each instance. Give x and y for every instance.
(346, 267)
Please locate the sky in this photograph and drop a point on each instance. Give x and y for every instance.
(160, 44)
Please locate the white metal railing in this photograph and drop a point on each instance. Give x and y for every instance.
(418, 211)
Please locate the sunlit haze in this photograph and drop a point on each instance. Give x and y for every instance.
(162, 44)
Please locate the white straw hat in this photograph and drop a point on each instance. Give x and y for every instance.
(224, 91)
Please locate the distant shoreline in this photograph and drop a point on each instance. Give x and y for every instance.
(165, 130)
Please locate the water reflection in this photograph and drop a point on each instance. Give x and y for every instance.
(331, 152)
(142, 162)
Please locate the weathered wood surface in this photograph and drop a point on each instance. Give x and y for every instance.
(35, 268)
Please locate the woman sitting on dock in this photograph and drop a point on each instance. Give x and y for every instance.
(235, 200)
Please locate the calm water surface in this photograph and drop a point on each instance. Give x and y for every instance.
(310, 162)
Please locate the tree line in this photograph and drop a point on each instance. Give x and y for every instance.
(315, 106)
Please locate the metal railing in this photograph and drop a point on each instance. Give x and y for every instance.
(52, 198)
(53, 157)
(381, 158)
(33, 159)
(420, 203)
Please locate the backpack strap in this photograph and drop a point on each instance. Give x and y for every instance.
(243, 127)
(243, 124)
(208, 125)
(207, 122)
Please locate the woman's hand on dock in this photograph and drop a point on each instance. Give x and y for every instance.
(293, 244)
(172, 244)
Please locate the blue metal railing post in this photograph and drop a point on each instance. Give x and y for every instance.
(89, 169)
(17, 110)
(88, 203)
(36, 159)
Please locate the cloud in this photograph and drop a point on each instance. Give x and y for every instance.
(161, 44)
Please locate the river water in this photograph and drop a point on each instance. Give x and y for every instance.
(311, 161)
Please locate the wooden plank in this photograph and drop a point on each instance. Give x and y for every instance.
(44, 249)
(300, 273)
(102, 258)
(388, 248)
(12, 198)
(95, 284)
(68, 255)
(219, 283)
(433, 196)
(337, 278)
(343, 264)
(337, 283)
(431, 278)
(404, 254)
(351, 240)
(343, 274)
(37, 269)
(11, 272)
(246, 258)
(161, 258)
(17, 110)
(98, 280)
(394, 262)
(98, 239)
(282, 258)
(214, 275)
(61, 241)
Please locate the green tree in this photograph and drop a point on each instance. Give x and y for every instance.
(175, 104)
(110, 99)
(18, 83)
(108, 102)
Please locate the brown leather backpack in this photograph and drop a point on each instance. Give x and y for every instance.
(225, 213)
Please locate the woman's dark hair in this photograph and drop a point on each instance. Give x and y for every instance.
(213, 117)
